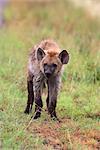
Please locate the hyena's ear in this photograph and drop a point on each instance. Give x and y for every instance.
(40, 53)
(64, 57)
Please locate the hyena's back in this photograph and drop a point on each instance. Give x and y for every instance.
(48, 45)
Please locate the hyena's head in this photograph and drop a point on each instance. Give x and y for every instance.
(51, 62)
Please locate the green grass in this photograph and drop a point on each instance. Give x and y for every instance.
(79, 97)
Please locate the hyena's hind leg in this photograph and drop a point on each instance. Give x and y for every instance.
(30, 100)
(47, 99)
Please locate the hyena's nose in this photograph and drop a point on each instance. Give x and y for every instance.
(47, 74)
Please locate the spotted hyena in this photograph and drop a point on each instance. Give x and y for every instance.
(45, 66)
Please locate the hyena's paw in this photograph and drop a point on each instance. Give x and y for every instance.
(28, 109)
(37, 115)
(54, 116)
(55, 119)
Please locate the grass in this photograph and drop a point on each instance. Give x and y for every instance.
(79, 99)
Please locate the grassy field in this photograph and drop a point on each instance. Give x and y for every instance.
(79, 99)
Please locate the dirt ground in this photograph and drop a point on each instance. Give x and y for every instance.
(57, 136)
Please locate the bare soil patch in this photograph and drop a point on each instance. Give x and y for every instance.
(65, 134)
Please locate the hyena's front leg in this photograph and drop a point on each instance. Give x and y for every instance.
(38, 106)
(37, 97)
(53, 93)
(30, 94)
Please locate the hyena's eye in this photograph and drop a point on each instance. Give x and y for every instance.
(54, 65)
(45, 64)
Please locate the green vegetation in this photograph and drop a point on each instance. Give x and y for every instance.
(79, 99)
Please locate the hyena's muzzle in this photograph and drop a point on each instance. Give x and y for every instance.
(49, 70)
